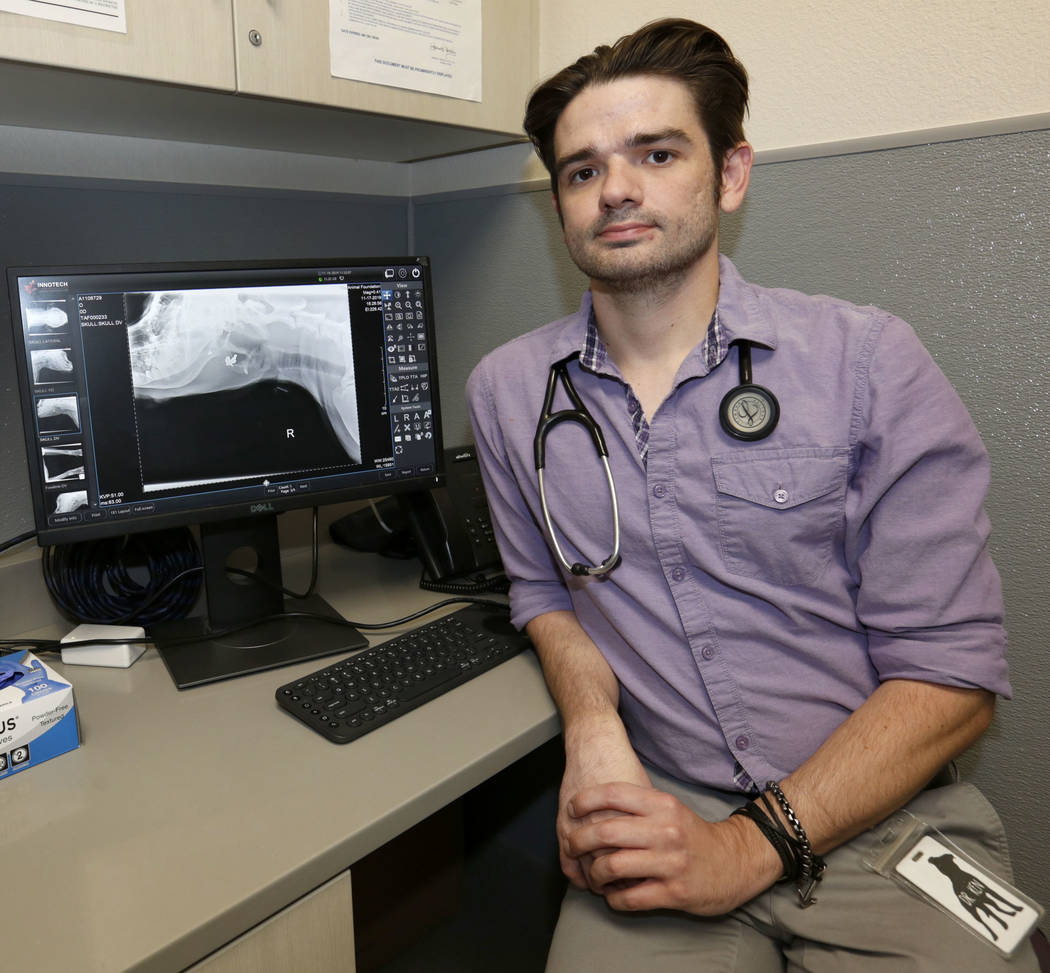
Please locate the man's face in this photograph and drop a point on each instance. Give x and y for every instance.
(636, 182)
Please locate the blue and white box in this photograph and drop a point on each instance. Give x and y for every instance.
(38, 719)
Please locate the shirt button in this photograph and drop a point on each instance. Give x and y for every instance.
(708, 653)
(659, 490)
(677, 574)
(781, 496)
(742, 742)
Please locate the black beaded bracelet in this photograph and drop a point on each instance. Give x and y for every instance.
(811, 866)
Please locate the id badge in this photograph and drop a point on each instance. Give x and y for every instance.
(921, 860)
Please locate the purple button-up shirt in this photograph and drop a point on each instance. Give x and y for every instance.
(766, 588)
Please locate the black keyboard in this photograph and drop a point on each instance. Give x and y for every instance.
(346, 700)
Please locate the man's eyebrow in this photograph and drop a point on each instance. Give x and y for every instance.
(633, 142)
(587, 152)
(664, 135)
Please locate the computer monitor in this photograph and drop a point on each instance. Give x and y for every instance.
(222, 394)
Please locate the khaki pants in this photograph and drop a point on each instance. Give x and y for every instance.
(861, 922)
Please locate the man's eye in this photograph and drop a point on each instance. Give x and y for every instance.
(582, 175)
(660, 156)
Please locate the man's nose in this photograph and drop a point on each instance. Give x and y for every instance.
(620, 185)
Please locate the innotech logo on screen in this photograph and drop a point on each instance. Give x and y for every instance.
(32, 286)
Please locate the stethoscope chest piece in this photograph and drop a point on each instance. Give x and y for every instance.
(748, 412)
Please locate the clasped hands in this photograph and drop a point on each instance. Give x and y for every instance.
(642, 848)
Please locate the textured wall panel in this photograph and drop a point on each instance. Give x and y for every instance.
(953, 237)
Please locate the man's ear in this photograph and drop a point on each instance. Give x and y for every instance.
(736, 174)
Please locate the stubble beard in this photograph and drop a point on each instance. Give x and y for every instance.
(684, 243)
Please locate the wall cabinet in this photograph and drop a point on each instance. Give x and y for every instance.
(189, 42)
(292, 61)
(208, 44)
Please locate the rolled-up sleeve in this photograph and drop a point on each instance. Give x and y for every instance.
(917, 532)
(536, 583)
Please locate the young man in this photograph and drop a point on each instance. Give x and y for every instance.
(803, 619)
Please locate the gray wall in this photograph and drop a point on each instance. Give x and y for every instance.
(953, 237)
(89, 221)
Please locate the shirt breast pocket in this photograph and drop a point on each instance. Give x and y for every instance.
(780, 511)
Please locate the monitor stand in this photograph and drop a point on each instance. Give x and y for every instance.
(194, 656)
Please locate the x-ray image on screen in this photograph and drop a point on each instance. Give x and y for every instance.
(260, 379)
(51, 365)
(46, 318)
(67, 502)
(63, 463)
(57, 414)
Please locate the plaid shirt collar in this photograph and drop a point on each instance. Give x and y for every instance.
(594, 357)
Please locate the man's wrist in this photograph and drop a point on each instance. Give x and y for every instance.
(758, 858)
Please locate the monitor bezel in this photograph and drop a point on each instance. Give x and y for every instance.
(48, 534)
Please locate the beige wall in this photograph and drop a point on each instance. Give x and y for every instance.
(828, 70)
(824, 73)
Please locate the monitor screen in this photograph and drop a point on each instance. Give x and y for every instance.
(164, 395)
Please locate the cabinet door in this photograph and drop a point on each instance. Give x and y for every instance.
(316, 934)
(187, 42)
(291, 60)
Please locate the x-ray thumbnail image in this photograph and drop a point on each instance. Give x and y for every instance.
(63, 463)
(67, 501)
(57, 414)
(48, 318)
(51, 365)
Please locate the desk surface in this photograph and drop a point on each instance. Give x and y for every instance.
(185, 818)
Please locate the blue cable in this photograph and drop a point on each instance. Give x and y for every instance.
(97, 581)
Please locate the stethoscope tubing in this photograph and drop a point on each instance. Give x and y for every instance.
(579, 414)
(575, 567)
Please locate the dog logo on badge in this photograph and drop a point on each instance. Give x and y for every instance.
(976, 897)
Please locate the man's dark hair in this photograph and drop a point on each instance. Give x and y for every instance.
(674, 48)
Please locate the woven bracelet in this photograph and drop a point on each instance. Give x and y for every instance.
(785, 839)
(811, 867)
(775, 834)
(772, 815)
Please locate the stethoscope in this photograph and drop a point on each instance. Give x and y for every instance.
(748, 412)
